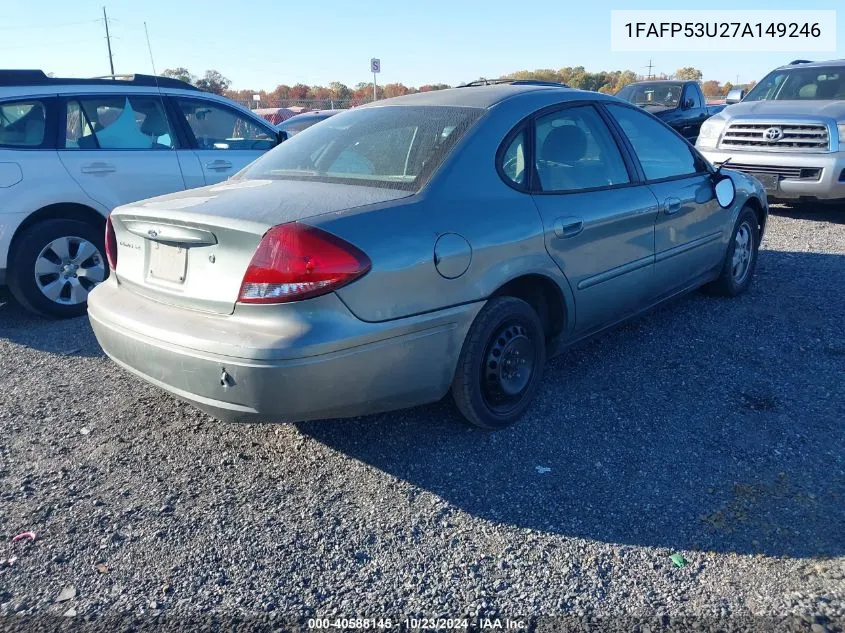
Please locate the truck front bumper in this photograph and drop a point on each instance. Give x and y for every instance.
(788, 176)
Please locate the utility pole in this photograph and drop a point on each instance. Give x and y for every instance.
(108, 40)
(650, 66)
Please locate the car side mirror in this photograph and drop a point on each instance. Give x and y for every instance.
(281, 137)
(735, 96)
(689, 103)
(724, 189)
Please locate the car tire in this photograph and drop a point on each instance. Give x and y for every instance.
(501, 364)
(71, 256)
(740, 258)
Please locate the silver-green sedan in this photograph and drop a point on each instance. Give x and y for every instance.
(444, 241)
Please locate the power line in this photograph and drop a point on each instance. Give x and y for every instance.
(46, 26)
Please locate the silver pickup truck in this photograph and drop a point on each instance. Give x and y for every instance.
(788, 132)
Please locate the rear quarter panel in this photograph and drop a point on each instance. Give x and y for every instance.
(466, 197)
(41, 181)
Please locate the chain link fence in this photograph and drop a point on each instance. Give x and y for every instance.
(305, 105)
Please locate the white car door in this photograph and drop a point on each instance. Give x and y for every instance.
(120, 148)
(226, 140)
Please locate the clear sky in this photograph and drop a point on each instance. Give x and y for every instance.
(261, 43)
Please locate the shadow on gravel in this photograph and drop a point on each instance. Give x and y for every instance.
(812, 211)
(72, 337)
(712, 424)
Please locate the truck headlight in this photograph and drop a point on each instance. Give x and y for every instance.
(710, 131)
(841, 128)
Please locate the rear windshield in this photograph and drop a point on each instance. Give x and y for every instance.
(294, 127)
(658, 93)
(397, 147)
(800, 84)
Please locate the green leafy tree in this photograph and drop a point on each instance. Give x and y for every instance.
(182, 74)
(214, 82)
(339, 91)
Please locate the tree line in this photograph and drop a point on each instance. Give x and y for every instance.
(337, 93)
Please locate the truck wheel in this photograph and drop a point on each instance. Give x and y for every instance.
(55, 264)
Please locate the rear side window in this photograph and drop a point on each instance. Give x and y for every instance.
(118, 122)
(575, 150)
(513, 160)
(218, 127)
(22, 123)
(660, 151)
(691, 94)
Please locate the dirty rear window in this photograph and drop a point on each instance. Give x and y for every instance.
(390, 146)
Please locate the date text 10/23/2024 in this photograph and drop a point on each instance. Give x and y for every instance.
(418, 624)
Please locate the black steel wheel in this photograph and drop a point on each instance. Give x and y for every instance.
(501, 364)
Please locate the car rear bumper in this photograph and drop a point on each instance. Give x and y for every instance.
(830, 184)
(287, 362)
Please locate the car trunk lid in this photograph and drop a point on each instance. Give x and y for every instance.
(192, 248)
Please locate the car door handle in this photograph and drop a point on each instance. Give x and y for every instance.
(98, 168)
(671, 205)
(568, 227)
(218, 165)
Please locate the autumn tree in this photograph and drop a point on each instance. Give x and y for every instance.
(299, 92)
(279, 94)
(711, 88)
(214, 82)
(430, 87)
(688, 73)
(395, 90)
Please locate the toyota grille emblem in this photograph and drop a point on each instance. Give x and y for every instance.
(152, 233)
(773, 134)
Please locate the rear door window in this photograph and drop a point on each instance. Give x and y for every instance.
(575, 150)
(23, 124)
(118, 122)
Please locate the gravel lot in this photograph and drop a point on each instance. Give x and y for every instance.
(712, 428)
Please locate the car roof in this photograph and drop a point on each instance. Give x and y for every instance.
(799, 63)
(314, 114)
(17, 77)
(484, 96)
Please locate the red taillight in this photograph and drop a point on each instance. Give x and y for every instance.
(296, 261)
(111, 245)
